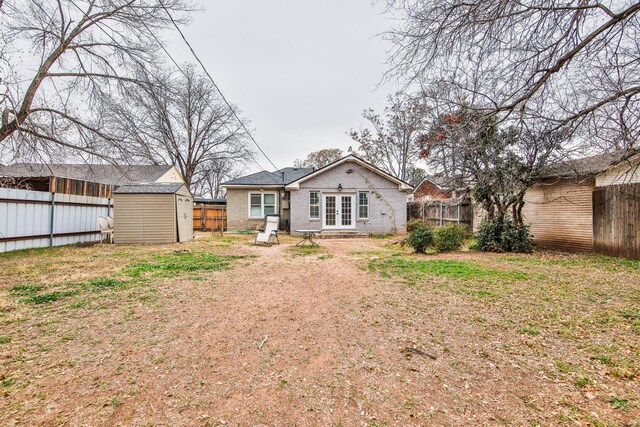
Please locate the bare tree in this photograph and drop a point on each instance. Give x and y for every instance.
(320, 158)
(564, 62)
(176, 119)
(212, 174)
(392, 143)
(79, 51)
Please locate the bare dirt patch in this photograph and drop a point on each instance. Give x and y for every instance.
(357, 333)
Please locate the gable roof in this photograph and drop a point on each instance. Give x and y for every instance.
(150, 188)
(102, 173)
(278, 178)
(294, 185)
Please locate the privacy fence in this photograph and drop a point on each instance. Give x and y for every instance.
(616, 220)
(442, 212)
(33, 219)
(210, 217)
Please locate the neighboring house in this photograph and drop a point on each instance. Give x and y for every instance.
(437, 187)
(349, 195)
(103, 173)
(559, 207)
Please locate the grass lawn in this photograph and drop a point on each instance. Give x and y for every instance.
(356, 332)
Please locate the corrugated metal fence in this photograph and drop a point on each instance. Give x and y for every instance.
(442, 212)
(33, 219)
(616, 220)
(210, 217)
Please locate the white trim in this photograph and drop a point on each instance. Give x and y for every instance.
(338, 225)
(261, 193)
(310, 218)
(368, 193)
(295, 185)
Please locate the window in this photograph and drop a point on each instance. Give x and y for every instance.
(261, 204)
(363, 205)
(314, 205)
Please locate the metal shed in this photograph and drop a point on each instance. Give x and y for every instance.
(152, 213)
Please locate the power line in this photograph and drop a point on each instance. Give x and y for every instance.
(215, 84)
(139, 63)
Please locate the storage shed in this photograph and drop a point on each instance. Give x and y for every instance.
(152, 213)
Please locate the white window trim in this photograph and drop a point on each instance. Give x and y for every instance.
(319, 217)
(358, 217)
(261, 193)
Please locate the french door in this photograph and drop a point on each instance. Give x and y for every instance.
(338, 211)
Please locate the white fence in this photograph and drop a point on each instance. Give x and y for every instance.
(34, 219)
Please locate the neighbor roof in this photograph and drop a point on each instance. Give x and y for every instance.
(104, 174)
(150, 188)
(279, 177)
(585, 166)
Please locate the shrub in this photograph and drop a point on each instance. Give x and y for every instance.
(450, 237)
(420, 237)
(413, 224)
(503, 237)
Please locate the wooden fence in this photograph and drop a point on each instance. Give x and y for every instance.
(210, 217)
(442, 212)
(33, 219)
(616, 220)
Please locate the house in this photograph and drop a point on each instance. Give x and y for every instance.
(434, 187)
(348, 195)
(96, 180)
(560, 210)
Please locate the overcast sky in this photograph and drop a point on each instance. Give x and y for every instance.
(302, 71)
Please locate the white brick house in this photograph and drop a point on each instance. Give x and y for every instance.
(348, 195)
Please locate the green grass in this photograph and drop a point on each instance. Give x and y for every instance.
(5, 339)
(304, 250)
(617, 403)
(448, 268)
(171, 264)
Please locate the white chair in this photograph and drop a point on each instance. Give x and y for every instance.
(271, 224)
(106, 227)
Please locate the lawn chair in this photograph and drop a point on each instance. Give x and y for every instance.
(271, 224)
(106, 227)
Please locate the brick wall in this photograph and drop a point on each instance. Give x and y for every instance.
(238, 210)
(387, 204)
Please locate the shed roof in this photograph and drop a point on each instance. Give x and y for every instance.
(279, 177)
(150, 188)
(100, 173)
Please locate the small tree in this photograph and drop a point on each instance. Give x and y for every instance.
(501, 164)
(319, 159)
(391, 145)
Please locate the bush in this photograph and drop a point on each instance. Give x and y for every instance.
(506, 237)
(450, 237)
(420, 237)
(413, 224)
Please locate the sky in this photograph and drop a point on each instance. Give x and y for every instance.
(301, 71)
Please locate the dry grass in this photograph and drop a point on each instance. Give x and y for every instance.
(359, 333)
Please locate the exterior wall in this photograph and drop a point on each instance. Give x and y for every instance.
(429, 190)
(387, 204)
(172, 175)
(627, 172)
(561, 215)
(238, 208)
(145, 218)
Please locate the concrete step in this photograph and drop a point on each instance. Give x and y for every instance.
(340, 234)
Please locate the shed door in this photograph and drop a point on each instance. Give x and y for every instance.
(184, 211)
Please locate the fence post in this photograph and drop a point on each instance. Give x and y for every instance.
(458, 213)
(441, 213)
(51, 218)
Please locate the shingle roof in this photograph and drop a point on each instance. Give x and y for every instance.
(279, 177)
(582, 167)
(150, 188)
(104, 174)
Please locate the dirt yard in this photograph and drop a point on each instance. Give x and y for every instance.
(356, 333)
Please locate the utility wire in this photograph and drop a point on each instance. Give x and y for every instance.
(100, 24)
(175, 24)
